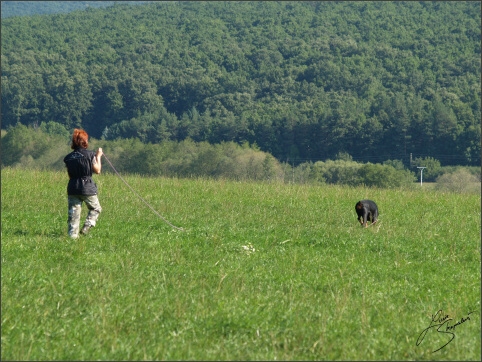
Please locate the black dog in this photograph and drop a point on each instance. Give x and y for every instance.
(366, 210)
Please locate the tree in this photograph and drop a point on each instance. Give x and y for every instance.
(384, 176)
(297, 78)
(22, 141)
(433, 168)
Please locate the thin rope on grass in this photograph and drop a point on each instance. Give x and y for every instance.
(378, 223)
(140, 197)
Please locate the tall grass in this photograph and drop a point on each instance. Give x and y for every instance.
(261, 272)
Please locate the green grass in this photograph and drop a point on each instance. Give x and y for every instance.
(261, 272)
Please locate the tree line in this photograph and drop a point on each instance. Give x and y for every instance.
(44, 148)
(303, 81)
(25, 8)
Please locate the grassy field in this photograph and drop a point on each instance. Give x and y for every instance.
(260, 272)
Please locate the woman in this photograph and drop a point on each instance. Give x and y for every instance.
(81, 163)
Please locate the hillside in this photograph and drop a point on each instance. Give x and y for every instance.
(27, 8)
(302, 80)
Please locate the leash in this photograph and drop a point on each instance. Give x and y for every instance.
(140, 197)
(379, 223)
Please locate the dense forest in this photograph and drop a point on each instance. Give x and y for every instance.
(24, 8)
(303, 81)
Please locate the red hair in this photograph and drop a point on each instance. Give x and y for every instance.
(80, 138)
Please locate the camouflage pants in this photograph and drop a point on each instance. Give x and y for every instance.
(75, 207)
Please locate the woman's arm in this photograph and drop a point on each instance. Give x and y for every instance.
(97, 165)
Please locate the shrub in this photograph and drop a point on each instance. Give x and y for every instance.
(397, 164)
(336, 172)
(22, 145)
(303, 173)
(475, 171)
(55, 129)
(461, 181)
(347, 172)
(190, 159)
(433, 168)
(384, 176)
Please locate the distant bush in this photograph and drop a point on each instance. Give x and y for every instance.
(433, 168)
(191, 159)
(397, 164)
(384, 176)
(461, 181)
(46, 146)
(475, 171)
(347, 172)
(28, 147)
(336, 172)
(55, 129)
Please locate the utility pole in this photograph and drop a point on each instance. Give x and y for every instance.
(421, 174)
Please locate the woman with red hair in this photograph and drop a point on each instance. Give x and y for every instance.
(81, 163)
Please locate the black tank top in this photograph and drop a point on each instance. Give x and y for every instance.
(79, 167)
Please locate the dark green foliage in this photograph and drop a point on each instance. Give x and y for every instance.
(304, 81)
(433, 168)
(347, 172)
(45, 147)
(21, 141)
(338, 171)
(54, 128)
(384, 176)
(25, 8)
(397, 164)
(190, 159)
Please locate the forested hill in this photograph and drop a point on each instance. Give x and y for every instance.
(302, 80)
(25, 8)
